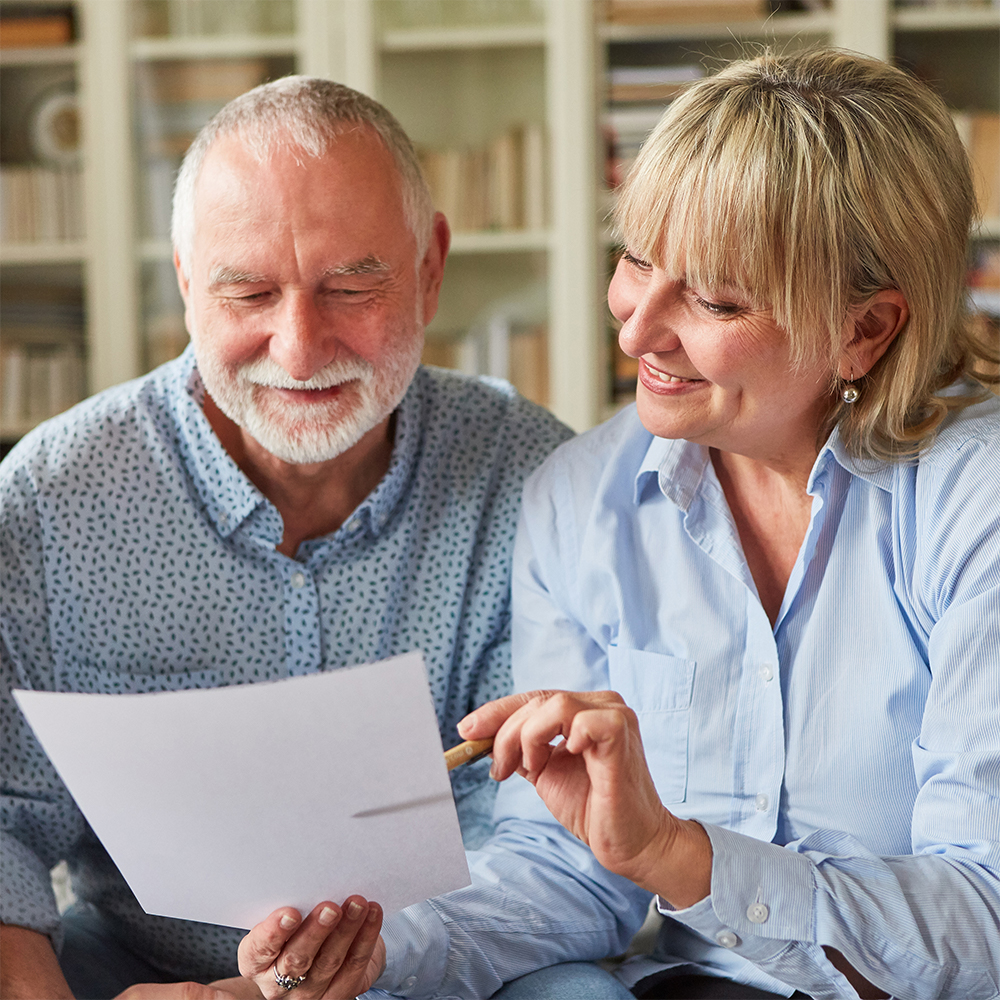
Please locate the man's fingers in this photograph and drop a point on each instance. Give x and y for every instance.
(263, 944)
(540, 727)
(173, 991)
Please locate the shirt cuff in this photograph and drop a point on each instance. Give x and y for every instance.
(762, 894)
(416, 951)
(762, 907)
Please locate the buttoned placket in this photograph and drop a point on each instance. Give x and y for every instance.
(759, 745)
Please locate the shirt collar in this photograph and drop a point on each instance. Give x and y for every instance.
(678, 467)
(878, 472)
(378, 506)
(229, 496)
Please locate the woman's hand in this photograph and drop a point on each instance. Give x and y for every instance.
(595, 782)
(337, 949)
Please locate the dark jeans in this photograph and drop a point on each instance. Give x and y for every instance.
(96, 965)
(666, 986)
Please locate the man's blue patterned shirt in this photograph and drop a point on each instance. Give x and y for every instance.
(136, 557)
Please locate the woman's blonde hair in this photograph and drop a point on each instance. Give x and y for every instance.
(811, 181)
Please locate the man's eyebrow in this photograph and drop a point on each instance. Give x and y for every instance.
(367, 265)
(224, 275)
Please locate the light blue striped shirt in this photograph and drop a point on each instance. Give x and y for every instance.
(845, 763)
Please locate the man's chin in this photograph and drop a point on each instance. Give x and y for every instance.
(308, 440)
(300, 447)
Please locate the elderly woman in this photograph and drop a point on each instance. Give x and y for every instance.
(764, 603)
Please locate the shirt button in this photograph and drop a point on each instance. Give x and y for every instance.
(757, 913)
(761, 802)
(354, 527)
(409, 982)
(223, 517)
(298, 580)
(767, 672)
(727, 939)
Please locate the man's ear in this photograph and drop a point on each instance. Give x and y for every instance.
(870, 330)
(184, 284)
(432, 266)
(182, 280)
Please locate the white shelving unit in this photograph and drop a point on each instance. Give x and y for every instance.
(961, 42)
(45, 257)
(493, 65)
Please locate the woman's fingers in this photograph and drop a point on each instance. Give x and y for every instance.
(346, 957)
(524, 742)
(288, 945)
(298, 957)
(332, 950)
(263, 944)
(487, 719)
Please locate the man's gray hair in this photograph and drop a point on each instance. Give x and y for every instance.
(305, 113)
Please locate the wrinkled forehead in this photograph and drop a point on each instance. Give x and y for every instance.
(353, 184)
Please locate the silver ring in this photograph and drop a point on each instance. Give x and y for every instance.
(287, 982)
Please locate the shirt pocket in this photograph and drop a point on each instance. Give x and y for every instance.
(658, 689)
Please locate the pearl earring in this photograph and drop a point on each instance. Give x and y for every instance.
(850, 393)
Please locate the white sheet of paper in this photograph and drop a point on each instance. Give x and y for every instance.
(221, 805)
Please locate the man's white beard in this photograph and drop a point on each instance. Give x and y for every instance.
(303, 433)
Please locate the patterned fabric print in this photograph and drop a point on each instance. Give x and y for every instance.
(137, 557)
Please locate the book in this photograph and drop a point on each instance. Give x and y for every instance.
(980, 132)
(35, 30)
(204, 80)
(535, 178)
(529, 363)
(496, 186)
(40, 204)
(650, 83)
(684, 11)
(38, 381)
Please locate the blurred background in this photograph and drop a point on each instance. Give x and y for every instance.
(526, 114)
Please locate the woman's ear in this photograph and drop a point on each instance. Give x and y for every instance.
(870, 330)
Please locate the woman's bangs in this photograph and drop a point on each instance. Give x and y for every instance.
(693, 220)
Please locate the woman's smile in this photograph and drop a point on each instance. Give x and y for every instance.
(663, 382)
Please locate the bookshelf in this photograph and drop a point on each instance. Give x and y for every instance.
(513, 96)
(654, 46)
(44, 250)
(484, 90)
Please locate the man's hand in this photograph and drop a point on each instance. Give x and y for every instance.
(31, 970)
(595, 782)
(174, 991)
(337, 949)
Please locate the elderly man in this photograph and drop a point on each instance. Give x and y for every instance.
(293, 494)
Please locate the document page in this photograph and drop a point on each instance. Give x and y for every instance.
(221, 805)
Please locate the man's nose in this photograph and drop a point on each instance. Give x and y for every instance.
(302, 341)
